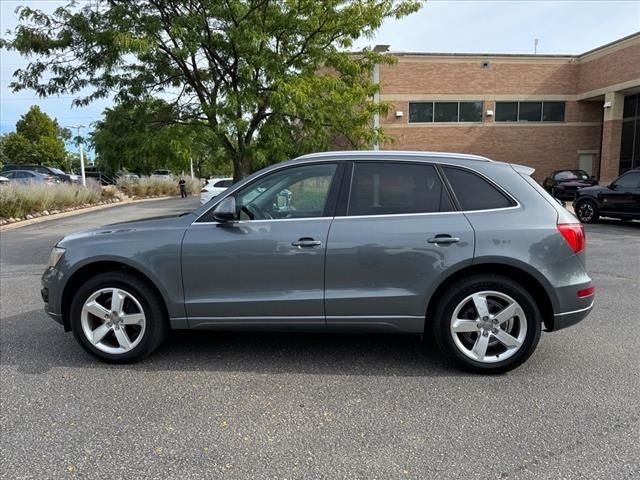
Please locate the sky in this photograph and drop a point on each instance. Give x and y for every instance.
(447, 26)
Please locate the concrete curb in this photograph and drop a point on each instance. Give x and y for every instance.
(57, 216)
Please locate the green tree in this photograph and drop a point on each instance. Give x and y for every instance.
(255, 72)
(143, 136)
(38, 139)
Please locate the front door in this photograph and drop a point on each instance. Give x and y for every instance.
(266, 268)
(399, 235)
(619, 198)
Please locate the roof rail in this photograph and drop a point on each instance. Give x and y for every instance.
(383, 153)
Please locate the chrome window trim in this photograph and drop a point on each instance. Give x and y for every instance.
(328, 157)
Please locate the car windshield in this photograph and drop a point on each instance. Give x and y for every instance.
(572, 175)
(57, 171)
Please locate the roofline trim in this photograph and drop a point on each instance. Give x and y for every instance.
(387, 153)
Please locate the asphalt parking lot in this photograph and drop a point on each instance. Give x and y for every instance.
(288, 406)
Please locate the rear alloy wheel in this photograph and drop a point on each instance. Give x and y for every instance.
(587, 211)
(117, 317)
(487, 324)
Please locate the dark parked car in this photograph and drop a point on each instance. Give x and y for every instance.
(620, 200)
(50, 171)
(470, 251)
(563, 184)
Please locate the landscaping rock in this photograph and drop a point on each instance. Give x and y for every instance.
(29, 216)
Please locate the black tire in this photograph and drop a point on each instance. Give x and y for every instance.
(456, 294)
(156, 327)
(587, 211)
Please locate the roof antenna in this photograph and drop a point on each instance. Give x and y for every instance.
(535, 46)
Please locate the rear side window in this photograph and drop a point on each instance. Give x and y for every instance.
(474, 192)
(223, 184)
(396, 188)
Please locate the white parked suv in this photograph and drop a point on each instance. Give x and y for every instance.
(162, 173)
(215, 186)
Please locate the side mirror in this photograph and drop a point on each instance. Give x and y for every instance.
(226, 210)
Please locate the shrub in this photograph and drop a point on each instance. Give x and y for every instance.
(19, 200)
(150, 186)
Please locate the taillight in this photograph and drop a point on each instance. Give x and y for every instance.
(586, 292)
(573, 233)
(48, 179)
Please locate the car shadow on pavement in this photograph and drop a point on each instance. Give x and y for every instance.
(35, 344)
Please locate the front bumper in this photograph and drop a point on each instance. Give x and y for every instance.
(51, 293)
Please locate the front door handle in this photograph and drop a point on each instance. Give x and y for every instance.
(306, 242)
(443, 239)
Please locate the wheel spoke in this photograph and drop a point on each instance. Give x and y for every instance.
(98, 334)
(94, 308)
(461, 325)
(480, 347)
(507, 339)
(133, 319)
(117, 300)
(508, 313)
(480, 302)
(123, 338)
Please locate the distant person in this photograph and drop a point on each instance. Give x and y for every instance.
(183, 188)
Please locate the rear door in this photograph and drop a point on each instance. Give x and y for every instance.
(399, 232)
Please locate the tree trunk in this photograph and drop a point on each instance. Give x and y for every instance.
(241, 168)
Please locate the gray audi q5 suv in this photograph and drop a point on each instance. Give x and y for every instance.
(460, 247)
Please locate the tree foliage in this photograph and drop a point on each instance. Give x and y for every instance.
(269, 78)
(38, 139)
(142, 137)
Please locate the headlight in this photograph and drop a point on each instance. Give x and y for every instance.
(55, 256)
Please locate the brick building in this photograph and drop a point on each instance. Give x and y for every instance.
(547, 111)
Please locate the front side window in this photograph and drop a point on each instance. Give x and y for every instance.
(630, 180)
(396, 188)
(299, 192)
(474, 192)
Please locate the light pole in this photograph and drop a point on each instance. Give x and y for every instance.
(84, 179)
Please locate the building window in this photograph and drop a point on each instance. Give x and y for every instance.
(530, 111)
(421, 112)
(445, 112)
(553, 112)
(471, 111)
(452, 112)
(506, 111)
(630, 142)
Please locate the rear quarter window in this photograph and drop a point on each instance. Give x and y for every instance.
(474, 192)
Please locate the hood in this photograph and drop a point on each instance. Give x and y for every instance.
(145, 227)
(593, 189)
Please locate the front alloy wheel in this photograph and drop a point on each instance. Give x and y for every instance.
(587, 212)
(113, 320)
(118, 317)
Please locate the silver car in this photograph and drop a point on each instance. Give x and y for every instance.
(470, 251)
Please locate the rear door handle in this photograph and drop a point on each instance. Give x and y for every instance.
(306, 242)
(443, 239)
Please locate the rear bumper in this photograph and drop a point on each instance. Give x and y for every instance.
(567, 319)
